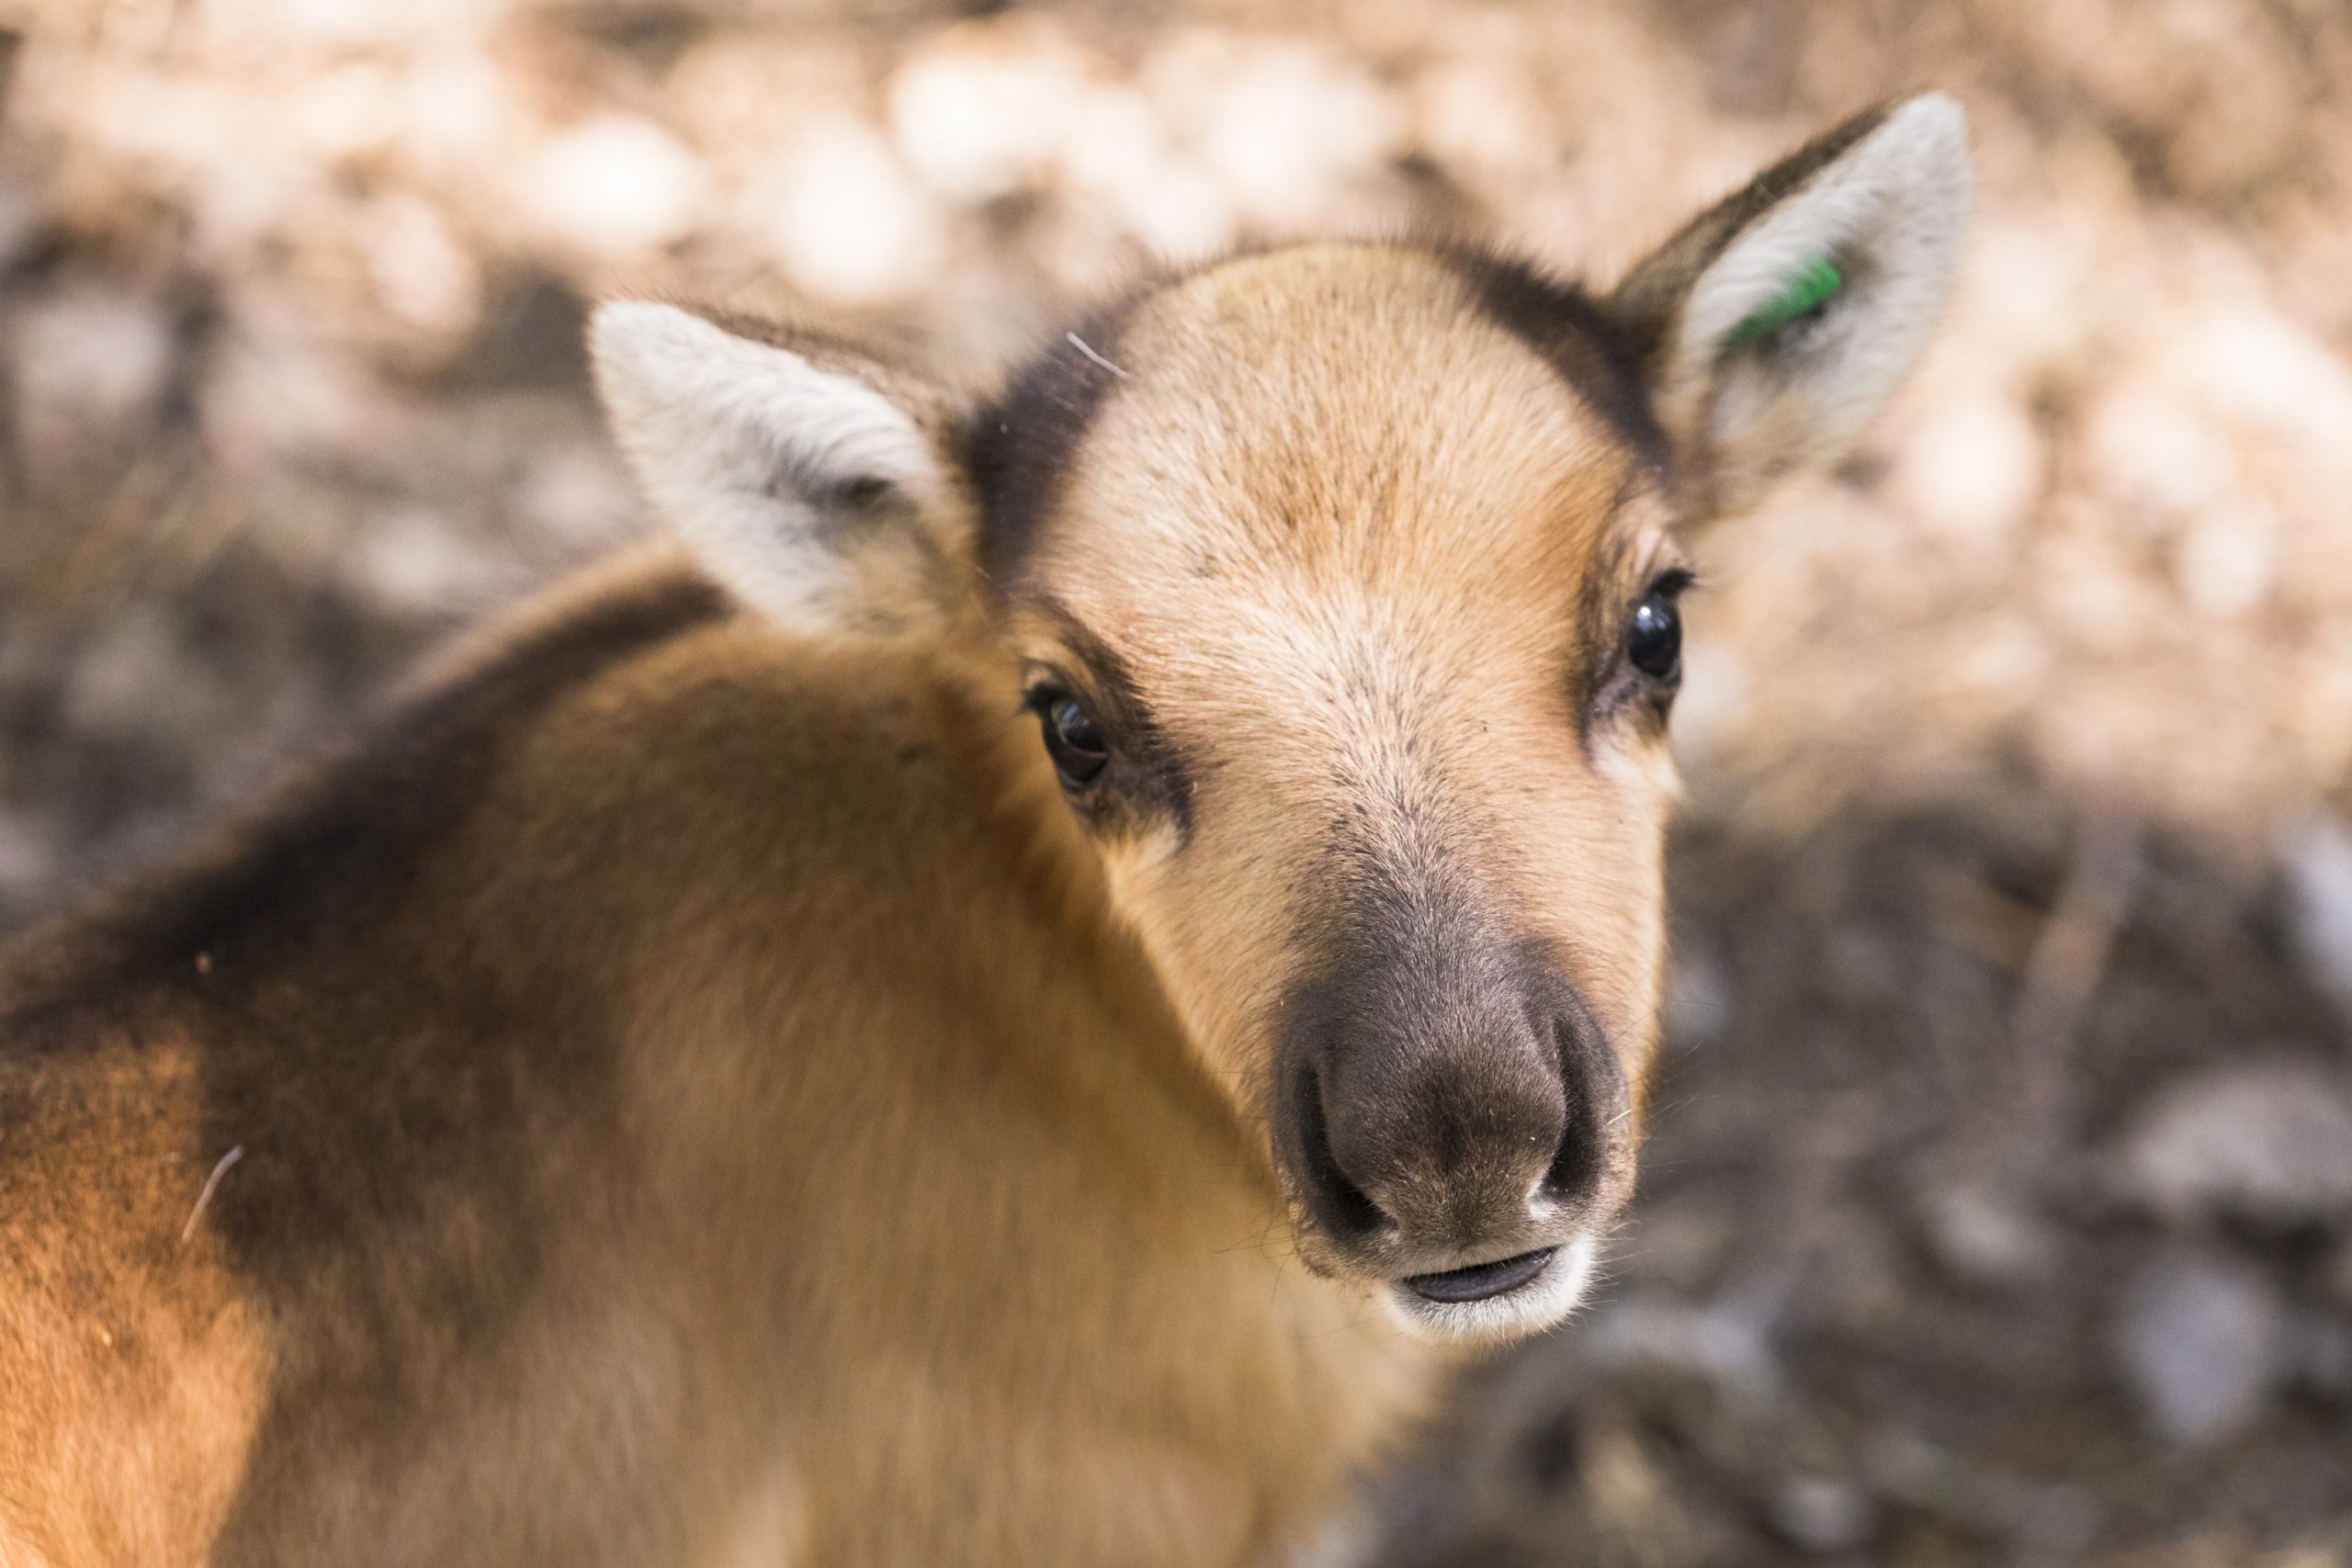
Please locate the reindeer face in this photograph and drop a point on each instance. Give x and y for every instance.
(1348, 616)
(1342, 582)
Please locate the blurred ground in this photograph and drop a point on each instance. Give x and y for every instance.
(2000, 1207)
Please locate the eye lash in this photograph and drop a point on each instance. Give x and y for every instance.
(1041, 690)
(1674, 581)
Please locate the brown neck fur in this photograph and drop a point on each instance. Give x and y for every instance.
(674, 1065)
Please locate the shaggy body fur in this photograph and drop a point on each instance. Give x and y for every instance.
(626, 1172)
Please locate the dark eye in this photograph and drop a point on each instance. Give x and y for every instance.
(1076, 745)
(1654, 643)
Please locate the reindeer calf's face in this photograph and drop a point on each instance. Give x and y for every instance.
(1350, 620)
(1342, 582)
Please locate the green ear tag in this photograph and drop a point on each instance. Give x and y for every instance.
(1815, 284)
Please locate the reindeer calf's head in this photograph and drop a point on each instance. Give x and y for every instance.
(1343, 580)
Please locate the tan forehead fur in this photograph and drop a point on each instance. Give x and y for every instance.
(1297, 429)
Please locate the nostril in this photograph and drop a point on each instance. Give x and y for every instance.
(1338, 1203)
(1575, 1171)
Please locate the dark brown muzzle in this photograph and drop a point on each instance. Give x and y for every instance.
(1448, 1103)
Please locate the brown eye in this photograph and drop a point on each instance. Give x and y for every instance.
(1654, 642)
(1073, 738)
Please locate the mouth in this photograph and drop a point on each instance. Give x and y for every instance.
(1504, 1299)
(1481, 1282)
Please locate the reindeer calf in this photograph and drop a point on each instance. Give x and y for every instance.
(704, 1084)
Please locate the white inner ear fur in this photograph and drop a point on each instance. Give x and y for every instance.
(1892, 211)
(758, 457)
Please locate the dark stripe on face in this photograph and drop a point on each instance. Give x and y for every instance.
(1571, 332)
(1019, 448)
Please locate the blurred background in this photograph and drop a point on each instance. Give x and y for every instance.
(1999, 1204)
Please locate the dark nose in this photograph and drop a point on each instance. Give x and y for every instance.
(1442, 1106)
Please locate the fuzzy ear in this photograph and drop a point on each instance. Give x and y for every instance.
(1776, 324)
(816, 495)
